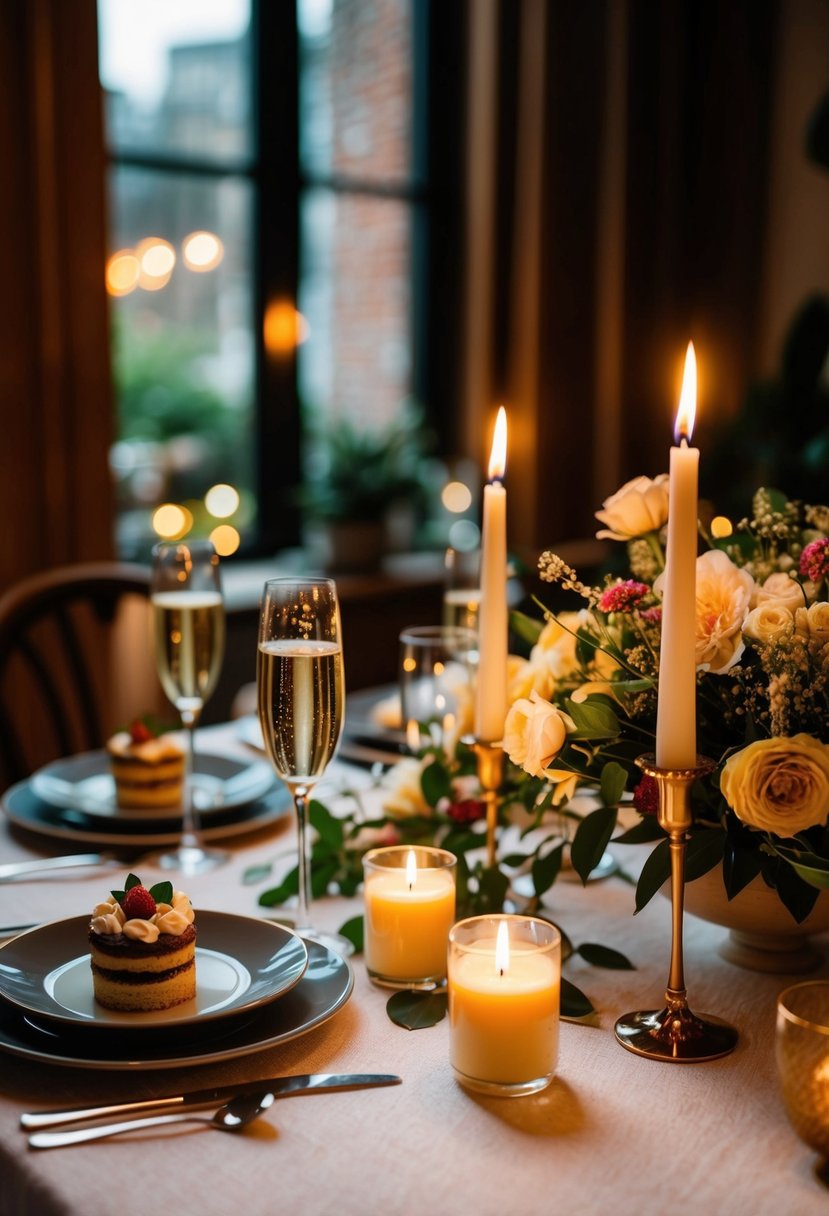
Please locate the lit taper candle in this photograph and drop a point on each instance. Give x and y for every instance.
(491, 695)
(676, 724)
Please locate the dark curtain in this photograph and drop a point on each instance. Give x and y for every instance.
(55, 490)
(644, 128)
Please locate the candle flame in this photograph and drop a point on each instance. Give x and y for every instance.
(687, 411)
(502, 948)
(411, 868)
(498, 454)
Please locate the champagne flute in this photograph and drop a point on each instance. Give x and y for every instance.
(189, 627)
(301, 697)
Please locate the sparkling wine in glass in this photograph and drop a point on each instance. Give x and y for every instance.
(189, 631)
(301, 698)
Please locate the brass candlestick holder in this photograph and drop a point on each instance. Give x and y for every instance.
(674, 1032)
(490, 757)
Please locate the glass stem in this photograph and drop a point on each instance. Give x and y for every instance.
(303, 921)
(189, 830)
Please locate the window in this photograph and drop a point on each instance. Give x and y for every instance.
(270, 211)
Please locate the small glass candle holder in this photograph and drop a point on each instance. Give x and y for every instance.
(437, 682)
(504, 992)
(802, 1053)
(409, 910)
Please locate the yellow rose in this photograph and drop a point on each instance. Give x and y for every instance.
(779, 589)
(402, 791)
(779, 785)
(813, 622)
(768, 622)
(639, 507)
(534, 733)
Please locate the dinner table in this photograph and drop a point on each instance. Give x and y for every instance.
(612, 1132)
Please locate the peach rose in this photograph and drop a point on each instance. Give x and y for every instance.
(723, 596)
(534, 733)
(779, 785)
(639, 507)
(813, 622)
(779, 589)
(402, 791)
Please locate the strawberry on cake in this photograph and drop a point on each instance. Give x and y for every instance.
(143, 945)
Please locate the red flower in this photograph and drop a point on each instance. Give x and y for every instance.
(646, 796)
(814, 560)
(466, 811)
(653, 615)
(623, 597)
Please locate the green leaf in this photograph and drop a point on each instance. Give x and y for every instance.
(254, 874)
(604, 956)
(514, 860)
(525, 627)
(591, 839)
(162, 892)
(808, 866)
(118, 896)
(328, 828)
(613, 781)
(641, 833)
(574, 1003)
(435, 783)
(704, 851)
(492, 889)
(417, 1010)
(354, 930)
(132, 881)
(593, 719)
(545, 869)
(321, 876)
(277, 895)
(655, 871)
(796, 893)
(740, 866)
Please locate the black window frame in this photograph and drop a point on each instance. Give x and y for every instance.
(278, 181)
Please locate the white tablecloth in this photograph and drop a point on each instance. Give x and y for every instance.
(612, 1133)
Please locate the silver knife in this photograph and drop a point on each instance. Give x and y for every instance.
(281, 1087)
(21, 869)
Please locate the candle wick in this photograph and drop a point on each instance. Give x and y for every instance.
(410, 886)
(683, 443)
(501, 972)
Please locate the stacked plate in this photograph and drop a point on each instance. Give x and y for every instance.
(257, 985)
(74, 799)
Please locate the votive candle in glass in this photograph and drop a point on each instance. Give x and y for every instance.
(802, 1057)
(409, 910)
(504, 991)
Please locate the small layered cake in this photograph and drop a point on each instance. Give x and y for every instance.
(148, 770)
(143, 946)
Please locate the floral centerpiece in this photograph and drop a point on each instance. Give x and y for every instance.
(585, 703)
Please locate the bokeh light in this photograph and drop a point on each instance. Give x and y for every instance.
(226, 539)
(221, 500)
(464, 534)
(284, 328)
(456, 497)
(122, 271)
(721, 527)
(156, 258)
(172, 521)
(202, 251)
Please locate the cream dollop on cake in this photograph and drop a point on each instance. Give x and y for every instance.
(143, 948)
(148, 769)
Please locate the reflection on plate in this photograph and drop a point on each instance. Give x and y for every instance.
(240, 963)
(85, 783)
(22, 806)
(323, 990)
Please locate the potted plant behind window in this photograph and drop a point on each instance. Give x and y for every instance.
(358, 478)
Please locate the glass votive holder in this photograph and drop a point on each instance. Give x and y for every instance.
(437, 677)
(409, 910)
(504, 989)
(802, 1054)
